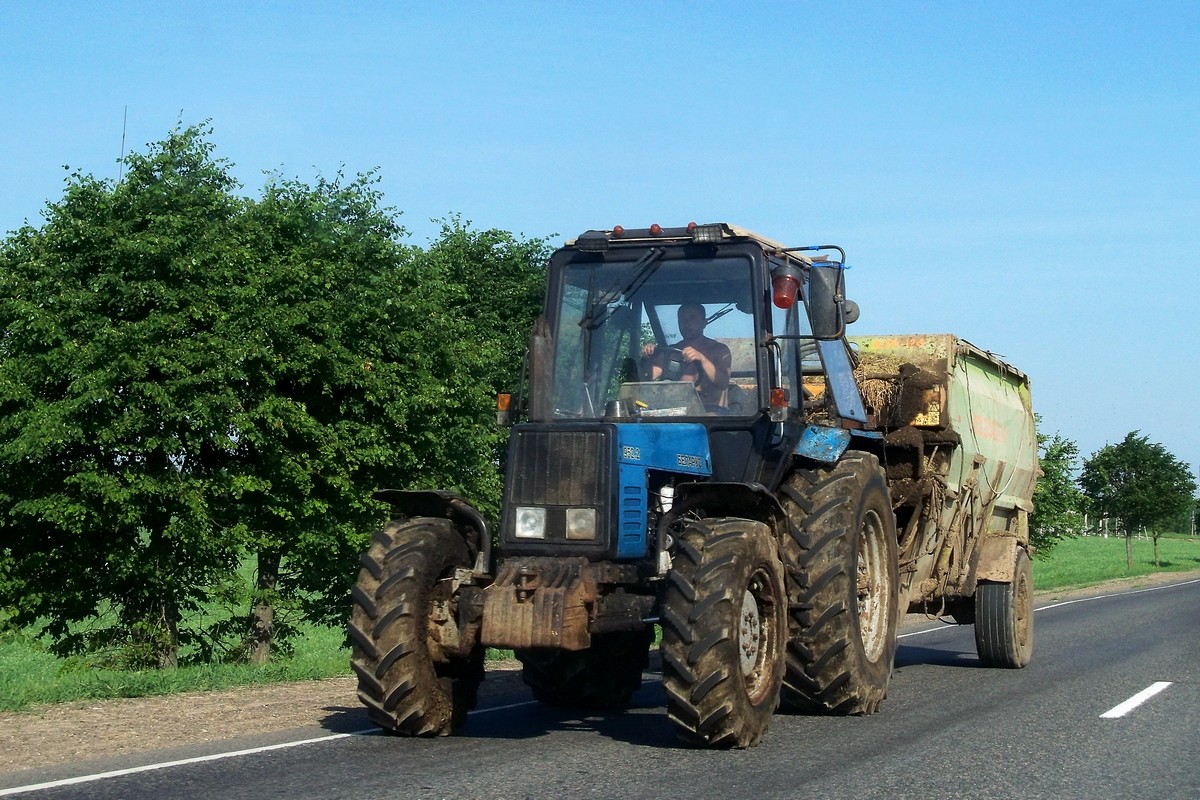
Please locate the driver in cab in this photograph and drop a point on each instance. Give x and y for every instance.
(707, 361)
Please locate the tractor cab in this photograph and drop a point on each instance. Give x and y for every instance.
(708, 324)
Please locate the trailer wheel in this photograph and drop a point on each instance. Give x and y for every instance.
(843, 587)
(724, 621)
(404, 680)
(605, 676)
(1004, 618)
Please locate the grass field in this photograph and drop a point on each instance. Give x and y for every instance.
(1090, 560)
(30, 675)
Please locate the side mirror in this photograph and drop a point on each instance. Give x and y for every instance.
(825, 298)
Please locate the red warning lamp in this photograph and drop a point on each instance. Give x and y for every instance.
(655, 229)
(779, 404)
(785, 285)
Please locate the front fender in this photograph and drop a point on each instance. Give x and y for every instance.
(436, 503)
(719, 499)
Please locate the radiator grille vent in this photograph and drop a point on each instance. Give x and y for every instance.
(560, 468)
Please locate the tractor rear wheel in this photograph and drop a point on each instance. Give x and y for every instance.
(1004, 618)
(843, 587)
(604, 676)
(405, 680)
(724, 623)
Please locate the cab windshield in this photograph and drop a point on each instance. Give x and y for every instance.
(652, 339)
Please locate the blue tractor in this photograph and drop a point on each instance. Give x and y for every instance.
(693, 454)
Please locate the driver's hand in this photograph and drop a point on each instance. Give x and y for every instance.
(648, 350)
(692, 354)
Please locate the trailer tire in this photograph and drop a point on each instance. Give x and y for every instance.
(724, 622)
(404, 685)
(843, 587)
(1004, 618)
(603, 677)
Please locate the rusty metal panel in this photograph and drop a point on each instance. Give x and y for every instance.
(539, 603)
(997, 559)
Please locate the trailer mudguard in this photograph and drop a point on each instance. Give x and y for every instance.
(997, 557)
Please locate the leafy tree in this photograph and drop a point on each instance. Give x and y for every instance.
(115, 395)
(1140, 484)
(188, 376)
(375, 366)
(1057, 502)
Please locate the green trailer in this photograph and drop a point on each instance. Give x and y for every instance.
(961, 462)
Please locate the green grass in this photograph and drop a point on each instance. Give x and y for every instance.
(1090, 560)
(33, 676)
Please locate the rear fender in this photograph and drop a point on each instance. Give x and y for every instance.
(466, 518)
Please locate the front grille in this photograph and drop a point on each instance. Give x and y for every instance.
(559, 468)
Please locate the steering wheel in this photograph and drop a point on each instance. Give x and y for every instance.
(673, 363)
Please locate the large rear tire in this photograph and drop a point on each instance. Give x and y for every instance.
(403, 680)
(605, 676)
(1004, 618)
(843, 587)
(724, 621)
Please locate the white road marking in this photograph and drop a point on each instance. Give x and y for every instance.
(501, 708)
(1153, 690)
(182, 762)
(1135, 701)
(1069, 603)
(117, 773)
(1118, 594)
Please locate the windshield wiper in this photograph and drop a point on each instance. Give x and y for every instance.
(643, 268)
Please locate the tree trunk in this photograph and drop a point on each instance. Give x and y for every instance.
(168, 655)
(1154, 536)
(262, 616)
(1128, 550)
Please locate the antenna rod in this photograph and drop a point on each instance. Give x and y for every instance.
(124, 122)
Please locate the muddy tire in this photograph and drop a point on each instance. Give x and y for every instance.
(843, 587)
(1004, 618)
(402, 680)
(604, 676)
(724, 622)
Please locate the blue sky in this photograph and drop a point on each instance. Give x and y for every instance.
(1025, 175)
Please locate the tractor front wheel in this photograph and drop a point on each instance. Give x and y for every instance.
(724, 624)
(408, 684)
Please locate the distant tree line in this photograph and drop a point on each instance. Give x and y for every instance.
(1136, 484)
(191, 378)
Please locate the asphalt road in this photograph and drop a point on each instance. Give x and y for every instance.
(949, 729)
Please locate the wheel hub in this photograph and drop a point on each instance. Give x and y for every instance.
(872, 588)
(749, 633)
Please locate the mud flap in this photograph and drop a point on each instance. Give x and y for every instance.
(539, 605)
(996, 559)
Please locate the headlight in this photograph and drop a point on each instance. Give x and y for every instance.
(531, 523)
(581, 523)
